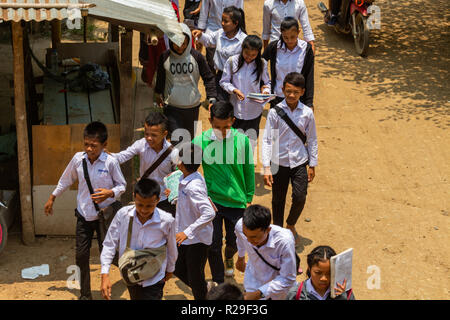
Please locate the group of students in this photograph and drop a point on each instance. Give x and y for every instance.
(192, 230)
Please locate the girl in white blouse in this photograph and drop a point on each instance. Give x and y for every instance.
(243, 74)
(227, 41)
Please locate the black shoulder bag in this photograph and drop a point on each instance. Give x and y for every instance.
(283, 115)
(297, 261)
(105, 215)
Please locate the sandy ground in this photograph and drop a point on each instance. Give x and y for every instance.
(382, 184)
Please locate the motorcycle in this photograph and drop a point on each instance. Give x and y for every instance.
(353, 17)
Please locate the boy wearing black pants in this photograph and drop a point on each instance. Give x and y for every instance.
(179, 70)
(193, 222)
(295, 157)
(107, 180)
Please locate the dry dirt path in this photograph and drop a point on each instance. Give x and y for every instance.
(382, 183)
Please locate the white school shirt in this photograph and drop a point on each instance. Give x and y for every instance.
(280, 143)
(104, 173)
(194, 210)
(155, 232)
(243, 80)
(310, 289)
(147, 156)
(289, 61)
(274, 12)
(279, 251)
(211, 11)
(225, 47)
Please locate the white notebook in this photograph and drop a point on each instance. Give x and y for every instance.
(341, 268)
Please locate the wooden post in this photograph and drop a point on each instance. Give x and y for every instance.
(126, 106)
(56, 33)
(22, 135)
(113, 33)
(85, 25)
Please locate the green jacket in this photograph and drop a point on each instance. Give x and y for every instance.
(228, 168)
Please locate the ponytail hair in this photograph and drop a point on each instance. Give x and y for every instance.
(287, 24)
(252, 42)
(318, 254)
(237, 16)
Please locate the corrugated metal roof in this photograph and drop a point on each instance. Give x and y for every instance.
(36, 14)
(157, 13)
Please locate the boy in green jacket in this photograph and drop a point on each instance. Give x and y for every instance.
(229, 173)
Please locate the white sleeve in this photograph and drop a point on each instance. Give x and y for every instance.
(68, 177)
(172, 251)
(201, 202)
(267, 138)
(204, 11)
(311, 138)
(118, 180)
(240, 241)
(129, 153)
(304, 21)
(226, 82)
(267, 22)
(110, 244)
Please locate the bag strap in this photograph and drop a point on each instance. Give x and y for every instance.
(130, 229)
(88, 182)
(299, 291)
(283, 115)
(157, 162)
(262, 258)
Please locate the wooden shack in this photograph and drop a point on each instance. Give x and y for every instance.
(65, 114)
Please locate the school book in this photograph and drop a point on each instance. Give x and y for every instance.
(171, 182)
(341, 268)
(261, 97)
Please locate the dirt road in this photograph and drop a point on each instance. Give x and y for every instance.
(382, 185)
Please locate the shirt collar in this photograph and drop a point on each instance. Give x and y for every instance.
(270, 241)
(102, 157)
(236, 36)
(184, 181)
(154, 219)
(284, 105)
(310, 289)
(301, 45)
(214, 137)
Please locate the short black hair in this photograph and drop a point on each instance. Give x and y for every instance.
(147, 188)
(155, 118)
(192, 159)
(225, 291)
(296, 79)
(257, 217)
(222, 110)
(318, 254)
(96, 130)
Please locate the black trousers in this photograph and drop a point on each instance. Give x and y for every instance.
(84, 235)
(153, 292)
(166, 206)
(248, 124)
(221, 94)
(182, 118)
(190, 268)
(230, 217)
(210, 59)
(298, 177)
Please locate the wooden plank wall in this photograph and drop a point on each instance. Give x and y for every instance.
(53, 148)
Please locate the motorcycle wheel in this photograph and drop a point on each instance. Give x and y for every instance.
(362, 35)
(3, 233)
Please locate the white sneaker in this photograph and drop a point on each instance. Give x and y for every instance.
(229, 267)
(211, 284)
